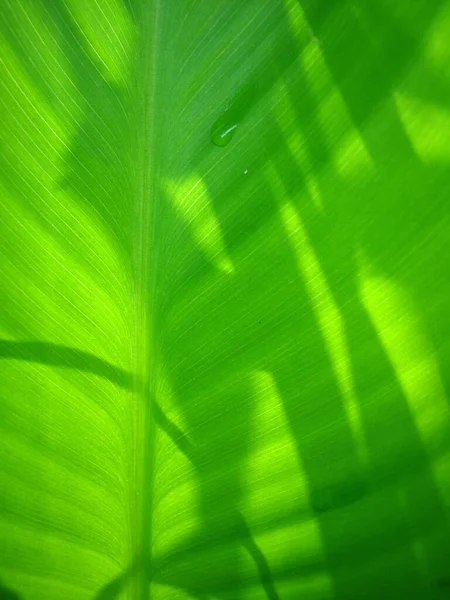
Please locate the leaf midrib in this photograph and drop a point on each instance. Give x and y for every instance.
(149, 168)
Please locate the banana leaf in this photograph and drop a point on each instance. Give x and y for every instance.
(225, 299)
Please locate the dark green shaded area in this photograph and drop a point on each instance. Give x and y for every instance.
(367, 533)
(8, 594)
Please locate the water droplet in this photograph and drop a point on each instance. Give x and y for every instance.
(222, 131)
(224, 128)
(246, 171)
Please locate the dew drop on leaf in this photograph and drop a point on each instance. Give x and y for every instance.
(224, 128)
(222, 131)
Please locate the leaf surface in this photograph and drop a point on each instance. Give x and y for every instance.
(224, 345)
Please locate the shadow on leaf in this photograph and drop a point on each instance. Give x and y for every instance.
(57, 355)
(8, 593)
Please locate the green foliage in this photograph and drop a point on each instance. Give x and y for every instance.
(225, 343)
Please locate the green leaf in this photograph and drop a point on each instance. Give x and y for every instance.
(225, 344)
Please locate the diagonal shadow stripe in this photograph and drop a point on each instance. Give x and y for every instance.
(114, 588)
(56, 355)
(265, 576)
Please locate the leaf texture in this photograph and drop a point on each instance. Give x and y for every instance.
(224, 345)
